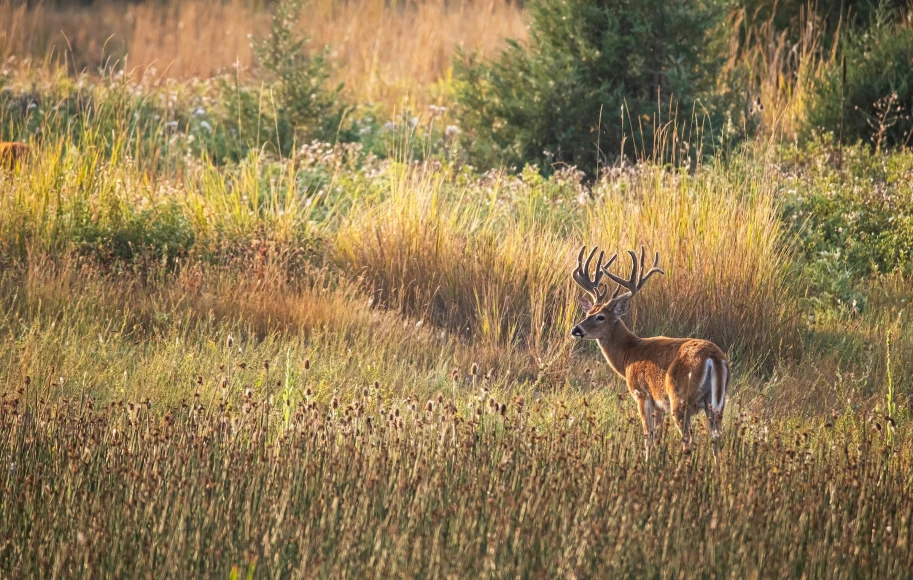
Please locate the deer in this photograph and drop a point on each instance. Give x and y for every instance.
(11, 153)
(681, 376)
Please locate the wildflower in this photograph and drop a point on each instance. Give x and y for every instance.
(452, 131)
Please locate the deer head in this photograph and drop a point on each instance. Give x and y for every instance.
(603, 316)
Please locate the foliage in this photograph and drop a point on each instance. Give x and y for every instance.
(595, 80)
(788, 16)
(878, 94)
(858, 220)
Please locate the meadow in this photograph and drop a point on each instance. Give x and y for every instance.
(353, 358)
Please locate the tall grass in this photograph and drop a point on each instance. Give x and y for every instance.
(383, 52)
(493, 264)
(372, 485)
(780, 71)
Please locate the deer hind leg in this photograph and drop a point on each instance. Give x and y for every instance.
(680, 389)
(683, 422)
(646, 408)
(659, 423)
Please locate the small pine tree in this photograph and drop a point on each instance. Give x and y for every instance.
(307, 106)
(591, 73)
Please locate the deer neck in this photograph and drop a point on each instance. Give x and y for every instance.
(617, 345)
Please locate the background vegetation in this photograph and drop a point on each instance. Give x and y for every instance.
(298, 304)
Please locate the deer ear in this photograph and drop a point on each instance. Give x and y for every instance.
(585, 303)
(622, 306)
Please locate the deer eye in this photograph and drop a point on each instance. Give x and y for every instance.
(600, 318)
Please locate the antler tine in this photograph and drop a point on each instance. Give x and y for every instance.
(630, 285)
(653, 270)
(582, 274)
(638, 278)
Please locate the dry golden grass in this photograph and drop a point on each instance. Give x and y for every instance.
(780, 71)
(382, 52)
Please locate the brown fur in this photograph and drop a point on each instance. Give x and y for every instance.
(663, 374)
(12, 153)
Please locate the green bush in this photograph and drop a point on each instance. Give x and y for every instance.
(878, 92)
(591, 74)
(853, 224)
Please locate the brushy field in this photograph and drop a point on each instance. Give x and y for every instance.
(354, 359)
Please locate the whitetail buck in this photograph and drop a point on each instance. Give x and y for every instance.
(11, 153)
(679, 375)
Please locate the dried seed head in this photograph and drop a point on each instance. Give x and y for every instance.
(307, 364)
(474, 369)
(430, 406)
(335, 403)
(229, 342)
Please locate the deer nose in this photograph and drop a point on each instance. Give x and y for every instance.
(577, 332)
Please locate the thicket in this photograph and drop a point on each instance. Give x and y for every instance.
(870, 98)
(595, 81)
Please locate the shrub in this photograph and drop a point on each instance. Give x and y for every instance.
(854, 224)
(878, 92)
(590, 73)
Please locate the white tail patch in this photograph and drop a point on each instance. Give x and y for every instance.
(719, 400)
(709, 381)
